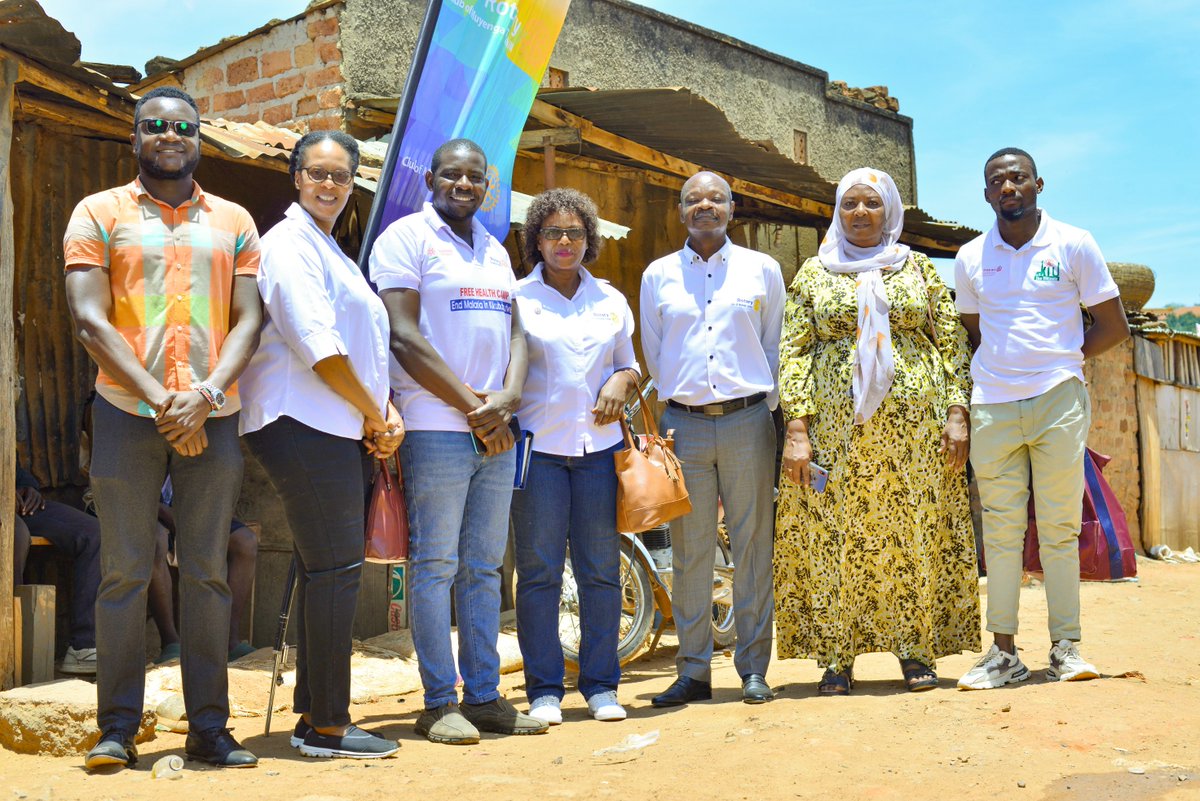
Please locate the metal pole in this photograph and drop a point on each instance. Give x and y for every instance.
(402, 114)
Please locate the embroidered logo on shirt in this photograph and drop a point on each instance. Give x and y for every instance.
(748, 303)
(988, 272)
(1047, 271)
(610, 316)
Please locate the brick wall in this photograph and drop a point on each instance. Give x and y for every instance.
(1114, 430)
(289, 76)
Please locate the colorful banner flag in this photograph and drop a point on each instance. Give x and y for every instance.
(477, 71)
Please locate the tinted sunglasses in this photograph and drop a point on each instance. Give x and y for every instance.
(180, 127)
(553, 234)
(318, 175)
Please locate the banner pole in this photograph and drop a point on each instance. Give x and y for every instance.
(393, 151)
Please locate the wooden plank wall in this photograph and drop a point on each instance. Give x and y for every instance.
(52, 171)
(8, 647)
(1170, 446)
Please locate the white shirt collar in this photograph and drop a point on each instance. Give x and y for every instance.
(478, 232)
(1040, 237)
(691, 257)
(539, 275)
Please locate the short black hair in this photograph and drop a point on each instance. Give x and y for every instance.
(1012, 151)
(348, 143)
(569, 201)
(171, 92)
(453, 146)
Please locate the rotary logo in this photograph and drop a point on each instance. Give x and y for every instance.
(493, 191)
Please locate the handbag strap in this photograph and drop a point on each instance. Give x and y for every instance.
(647, 418)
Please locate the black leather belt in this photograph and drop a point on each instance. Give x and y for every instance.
(725, 407)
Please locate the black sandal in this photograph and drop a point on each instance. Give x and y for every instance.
(918, 677)
(836, 683)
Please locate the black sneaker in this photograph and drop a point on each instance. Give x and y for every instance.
(356, 743)
(301, 731)
(218, 747)
(115, 749)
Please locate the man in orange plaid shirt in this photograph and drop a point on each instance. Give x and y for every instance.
(161, 283)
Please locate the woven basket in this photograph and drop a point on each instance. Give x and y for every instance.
(1136, 282)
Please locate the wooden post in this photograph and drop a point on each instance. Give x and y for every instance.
(33, 605)
(8, 358)
(549, 150)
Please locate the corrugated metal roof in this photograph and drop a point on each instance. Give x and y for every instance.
(680, 123)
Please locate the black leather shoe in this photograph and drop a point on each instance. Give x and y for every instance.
(217, 747)
(682, 691)
(115, 750)
(755, 689)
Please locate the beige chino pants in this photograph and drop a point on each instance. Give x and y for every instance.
(1043, 437)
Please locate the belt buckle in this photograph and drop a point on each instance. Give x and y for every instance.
(714, 409)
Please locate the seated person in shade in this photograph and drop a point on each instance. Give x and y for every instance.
(77, 535)
(241, 560)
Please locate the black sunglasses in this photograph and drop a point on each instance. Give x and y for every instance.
(182, 128)
(553, 234)
(318, 175)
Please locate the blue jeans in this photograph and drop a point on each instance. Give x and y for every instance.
(458, 505)
(568, 498)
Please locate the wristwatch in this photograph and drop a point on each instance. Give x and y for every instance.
(211, 393)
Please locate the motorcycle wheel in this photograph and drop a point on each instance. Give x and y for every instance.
(724, 633)
(637, 612)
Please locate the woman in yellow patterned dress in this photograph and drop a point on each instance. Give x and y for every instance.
(874, 380)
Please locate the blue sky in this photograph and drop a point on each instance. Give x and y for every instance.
(1104, 94)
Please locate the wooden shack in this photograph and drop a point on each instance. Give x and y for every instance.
(1167, 365)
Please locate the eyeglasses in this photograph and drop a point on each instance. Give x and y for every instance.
(182, 128)
(318, 175)
(551, 234)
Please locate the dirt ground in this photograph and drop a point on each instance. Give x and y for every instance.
(1115, 738)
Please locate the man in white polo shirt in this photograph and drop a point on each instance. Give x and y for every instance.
(447, 285)
(1019, 289)
(711, 315)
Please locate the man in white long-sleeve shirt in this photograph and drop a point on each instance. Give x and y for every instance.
(711, 315)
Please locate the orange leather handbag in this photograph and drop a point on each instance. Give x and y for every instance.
(650, 488)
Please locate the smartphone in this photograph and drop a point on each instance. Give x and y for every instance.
(818, 476)
(481, 448)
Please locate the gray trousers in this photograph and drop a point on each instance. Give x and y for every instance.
(130, 461)
(732, 457)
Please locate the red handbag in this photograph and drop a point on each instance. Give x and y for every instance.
(387, 518)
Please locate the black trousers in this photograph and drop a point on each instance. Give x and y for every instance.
(321, 480)
(76, 534)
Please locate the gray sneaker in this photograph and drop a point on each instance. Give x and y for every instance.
(995, 669)
(79, 662)
(501, 717)
(1067, 665)
(445, 724)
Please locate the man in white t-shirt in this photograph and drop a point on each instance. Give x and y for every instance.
(1019, 289)
(447, 285)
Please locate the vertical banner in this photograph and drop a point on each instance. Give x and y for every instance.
(475, 73)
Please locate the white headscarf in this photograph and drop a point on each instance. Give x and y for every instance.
(874, 368)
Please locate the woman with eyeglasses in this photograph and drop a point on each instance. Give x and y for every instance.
(581, 368)
(315, 410)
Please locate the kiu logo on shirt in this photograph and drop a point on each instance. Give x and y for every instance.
(1047, 271)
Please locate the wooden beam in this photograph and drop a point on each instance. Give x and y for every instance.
(8, 443)
(372, 116)
(547, 114)
(91, 96)
(89, 123)
(531, 140)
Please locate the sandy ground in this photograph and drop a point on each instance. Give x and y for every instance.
(1118, 738)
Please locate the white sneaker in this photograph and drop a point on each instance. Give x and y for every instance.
(547, 709)
(995, 669)
(1067, 665)
(79, 662)
(604, 706)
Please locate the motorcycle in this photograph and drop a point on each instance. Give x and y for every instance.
(646, 579)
